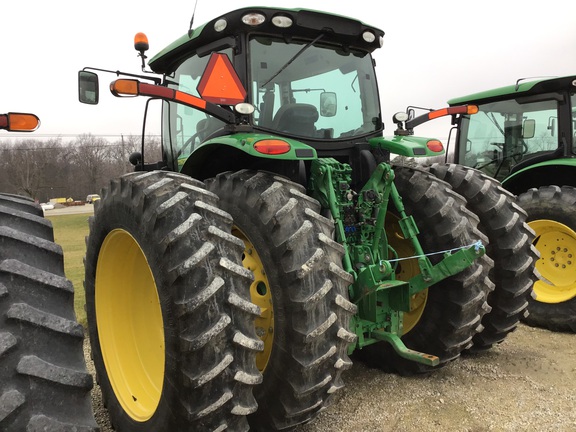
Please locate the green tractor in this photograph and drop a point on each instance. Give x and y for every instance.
(229, 284)
(44, 384)
(523, 136)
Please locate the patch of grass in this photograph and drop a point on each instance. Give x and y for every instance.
(69, 233)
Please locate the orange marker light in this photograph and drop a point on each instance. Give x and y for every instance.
(472, 109)
(124, 87)
(20, 122)
(272, 147)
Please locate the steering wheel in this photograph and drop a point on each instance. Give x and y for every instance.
(190, 141)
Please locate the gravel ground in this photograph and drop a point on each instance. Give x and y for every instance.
(527, 383)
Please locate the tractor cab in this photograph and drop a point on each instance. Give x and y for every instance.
(306, 77)
(517, 127)
(299, 75)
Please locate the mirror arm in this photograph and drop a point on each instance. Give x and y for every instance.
(156, 80)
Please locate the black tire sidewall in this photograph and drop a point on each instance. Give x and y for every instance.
(557, 204)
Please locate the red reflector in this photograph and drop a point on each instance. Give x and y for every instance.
(435, 146)
(438, 113)
(272, 147)
(190, 99)
(154, 90)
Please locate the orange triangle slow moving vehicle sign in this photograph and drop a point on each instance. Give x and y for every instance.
(219, 83)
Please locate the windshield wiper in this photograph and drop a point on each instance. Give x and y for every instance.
(492, 118)
(293, 58)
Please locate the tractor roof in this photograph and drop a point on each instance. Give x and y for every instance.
(306, 24)
(521, 88)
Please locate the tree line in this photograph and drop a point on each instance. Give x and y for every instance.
(54, 168)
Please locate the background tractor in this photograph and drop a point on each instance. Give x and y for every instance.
(44, 384)
(523, 136)
(228, 284)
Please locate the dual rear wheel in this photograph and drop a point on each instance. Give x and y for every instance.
(175, 272)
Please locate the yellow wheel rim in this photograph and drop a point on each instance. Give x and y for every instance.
(556, 243)
(405, 270)
(261, 295)
(130, 326)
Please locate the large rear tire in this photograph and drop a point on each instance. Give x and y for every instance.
(44, 384)
(509, 245)
(552, 215)
(446, 316)
(168, 308)
(302, 290)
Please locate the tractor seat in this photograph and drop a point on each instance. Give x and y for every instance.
(296, 119)
(206, 127)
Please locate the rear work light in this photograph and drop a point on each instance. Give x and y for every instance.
(253, 19)
(282, 21)
(272, 147)
(220, 25)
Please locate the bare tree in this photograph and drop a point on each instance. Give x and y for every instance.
(28, 166)
(90, 154)
(53, 169)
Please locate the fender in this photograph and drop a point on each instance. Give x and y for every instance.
(253, 145)
(409, 146)
(556, 171)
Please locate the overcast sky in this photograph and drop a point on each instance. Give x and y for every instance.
(433, 51)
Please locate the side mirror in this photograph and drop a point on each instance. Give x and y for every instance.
(529, 128)
(552, 125)
(328, 104)
(88, 90)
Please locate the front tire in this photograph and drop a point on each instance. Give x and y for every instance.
(552, 215)
(168, 309)
(44, 384)
(302, 290)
